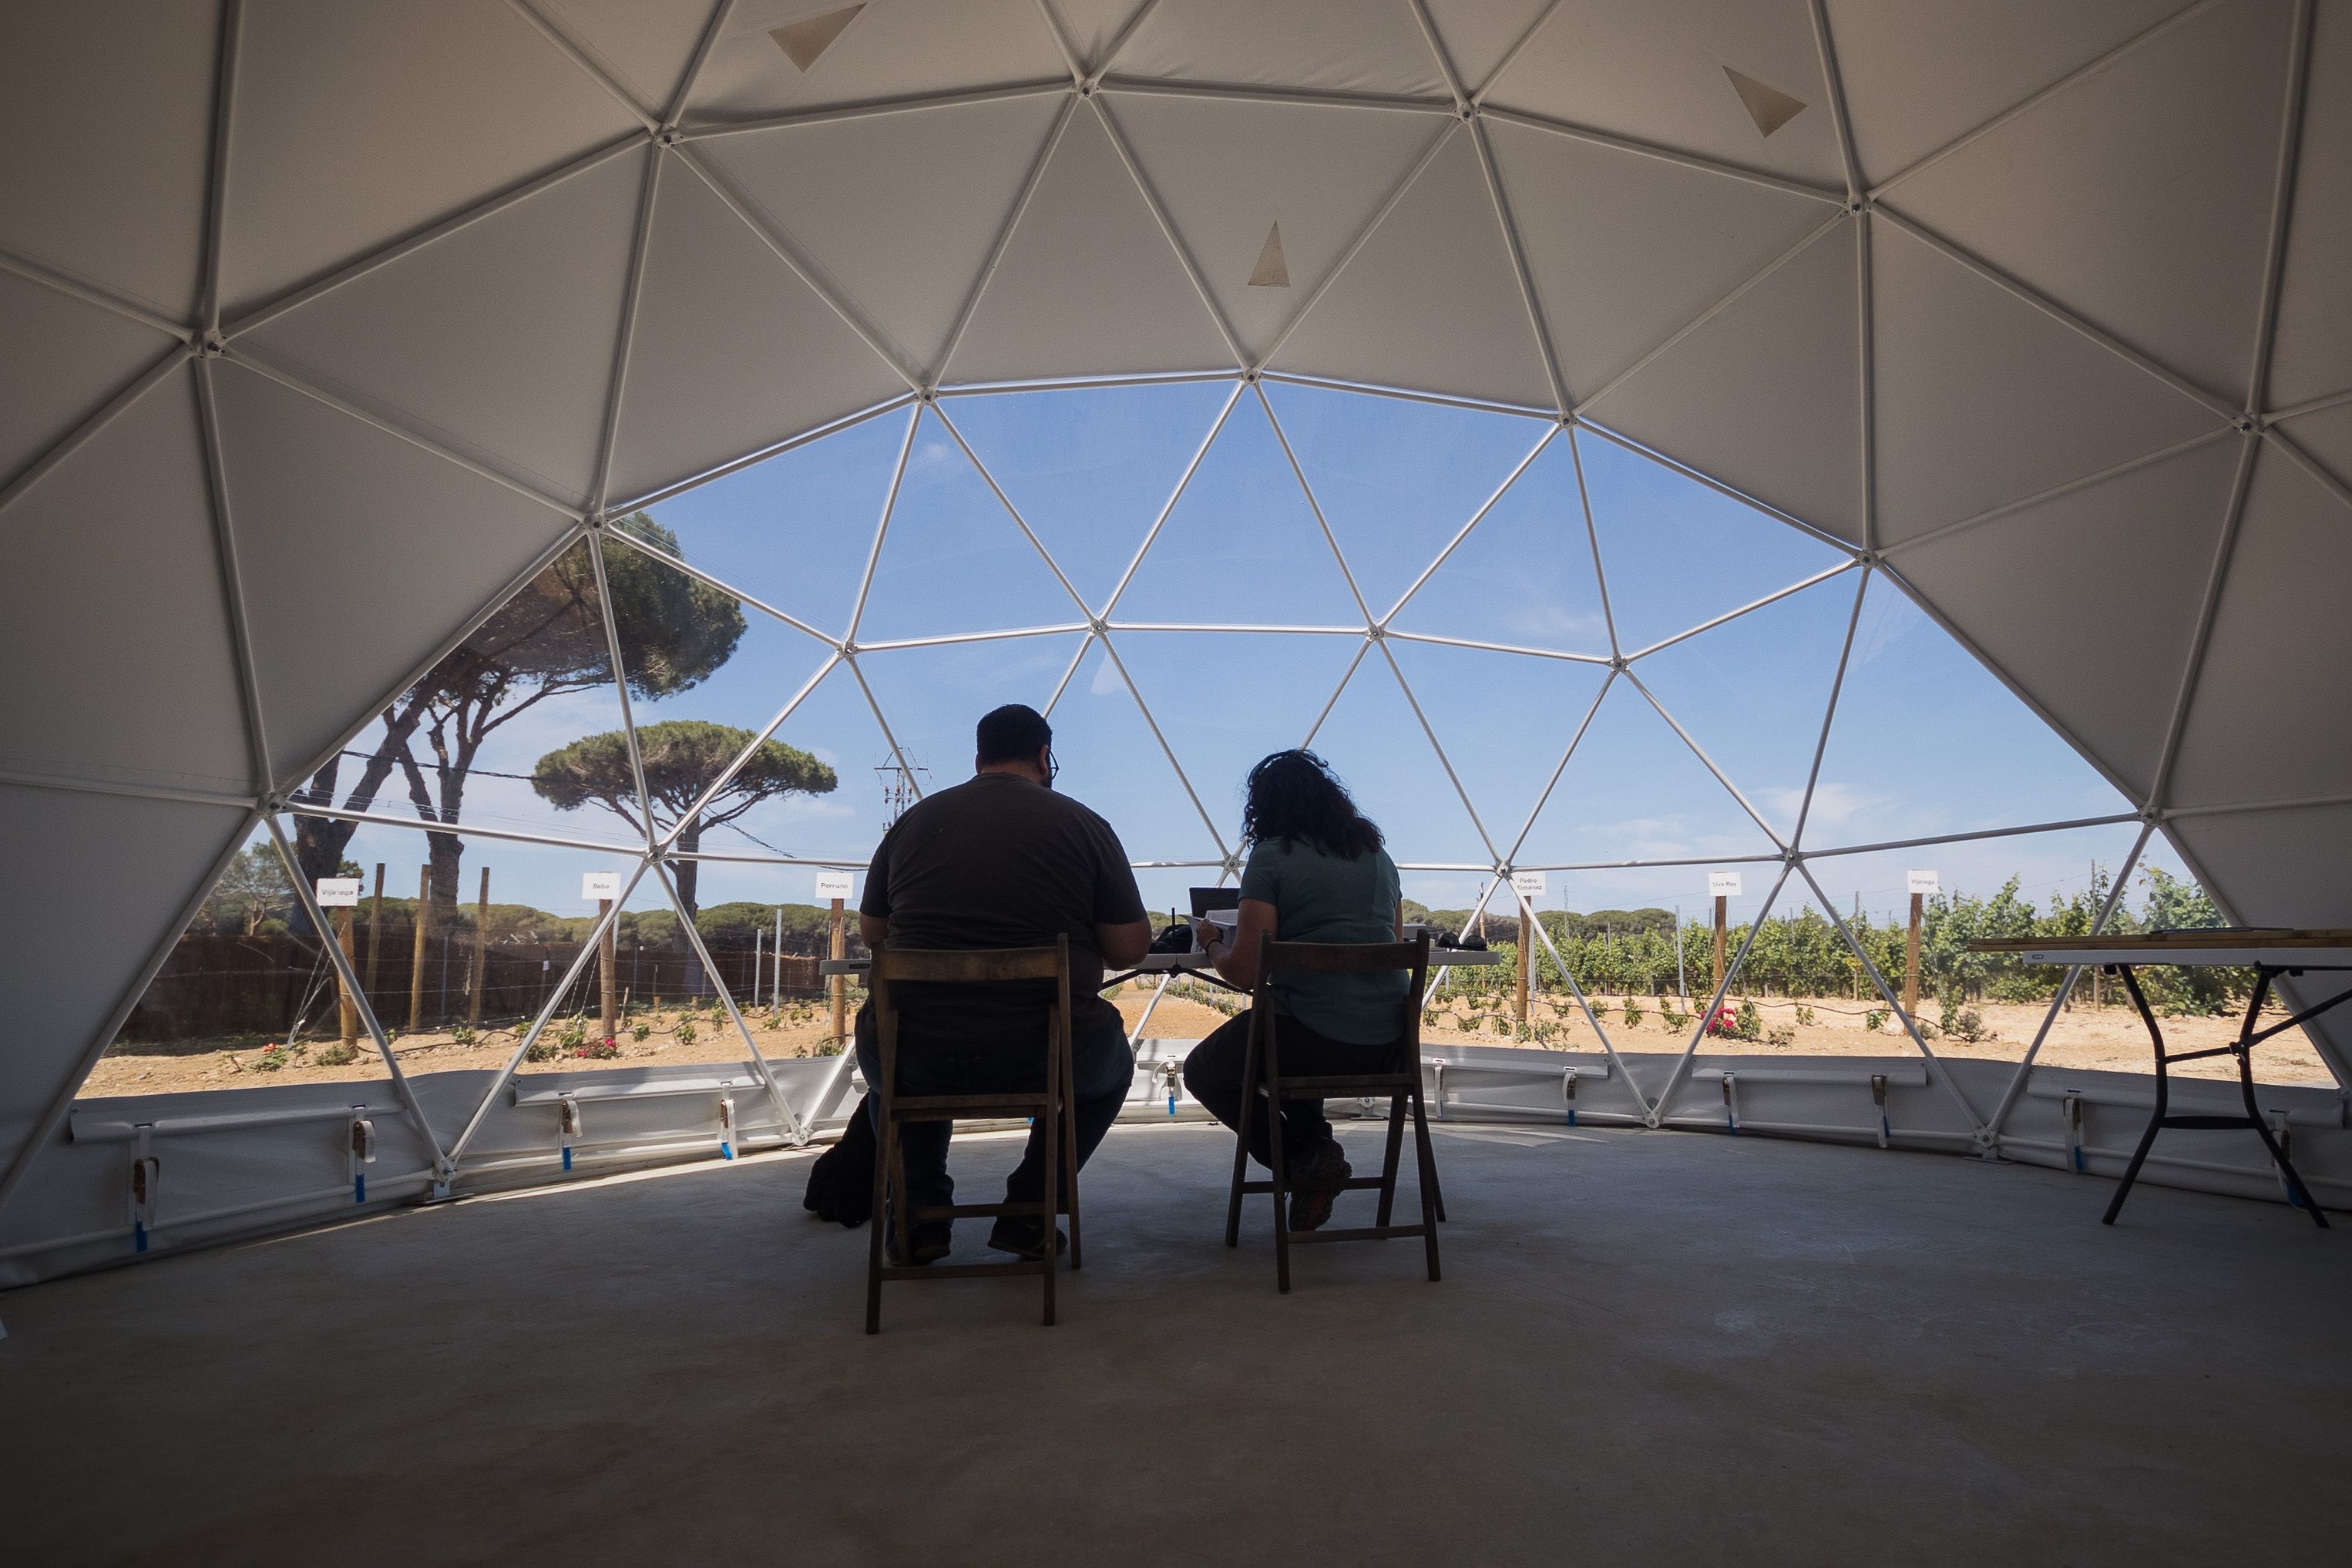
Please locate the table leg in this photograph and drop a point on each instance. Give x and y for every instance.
(2244, 1051)
(2163, 1097)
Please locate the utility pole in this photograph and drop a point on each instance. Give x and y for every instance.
(346, 1010)
(1911, 958)
(1722, 930)
(375, 934)
(608, 952)
(479, 967)
(840, 983)
(416, 958)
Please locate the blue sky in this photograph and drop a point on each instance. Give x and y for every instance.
(1925, 741)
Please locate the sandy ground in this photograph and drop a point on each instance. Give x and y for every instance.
(2111, 1039)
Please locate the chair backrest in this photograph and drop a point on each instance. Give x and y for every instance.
(1349, 959)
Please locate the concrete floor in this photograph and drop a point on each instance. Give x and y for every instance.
(1650, 1347)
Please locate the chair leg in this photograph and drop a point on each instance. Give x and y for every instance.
(1281, 1184)
(1070, 1112)
(878, 1222)
(1389, 1158)
(1432, 1209)
(1241, 1140)
(1051, 1192)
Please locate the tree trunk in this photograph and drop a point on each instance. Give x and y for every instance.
(683, 871)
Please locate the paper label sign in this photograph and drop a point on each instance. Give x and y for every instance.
(1527, 884)
(337, 892)
(1922, 881)
(835, 884)
(599, 884)
(1723, 884)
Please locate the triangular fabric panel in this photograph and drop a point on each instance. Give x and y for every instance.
(1634, 790)
(357, 123)
(2106, 666)
(1524, 576)
(1286, 43)
(112, 96)
(1765, 395)
(2174, 149)
(2251, 734)
(1655, 72)
(1090, 468)
(148, 691)
(1983, 400)
(2312, 355)
(94, 882)
(2327, 438)
(1093, 26)
(732, 351)
(1917, 78)
(796, 530)
(1382, 754)
(889, 49)
(953, 175)
(1219, 740)
(1753, 691)
(66, 360)
(1626, 249)
(953, 559)
(1676, 553)
(321, 502)
(805, 41)
(499, 337)
(835, 724)
(1088, 283)
(1229, 173)
(1113, 763)
(1503, 719)
(707, 674)
(1242, 545)
(1767, 105)
(644, 45)
(1478, 35)
(1431, 300)
(1396, 479)
(933, 698)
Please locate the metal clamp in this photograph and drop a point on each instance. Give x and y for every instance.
(727, 1130)
(1731, 1100)
(1437, 1091)
(2070, 1122)
(1878, 1098)
(567, 1126)
(1170, 1073)
(1568, 1091)
(146, 1176)
(360, 1152)
(2280, 1130)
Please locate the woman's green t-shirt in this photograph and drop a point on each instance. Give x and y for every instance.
(1320, 897)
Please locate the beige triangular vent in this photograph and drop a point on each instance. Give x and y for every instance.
(1272, 271)
(804, 40)
(1768, 107)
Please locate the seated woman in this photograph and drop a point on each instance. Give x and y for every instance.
(1317, 872)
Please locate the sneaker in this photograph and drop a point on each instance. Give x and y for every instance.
(1024, 1238)
(1315, 1184)
(932, 1242)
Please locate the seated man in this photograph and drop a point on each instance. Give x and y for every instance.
(1001, 861)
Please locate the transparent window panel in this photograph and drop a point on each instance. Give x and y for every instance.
(1928, 741)
(249, 996)
(1377, 746)
(1633, 790)
(1241, 547)
(1090, 468)
(1979, 1007)
(1396, 479)
(1676, 553)
(1112, 760)
(766, 930)
(459, 745)
(1524, 577)
(1754, 691)
(797, 532)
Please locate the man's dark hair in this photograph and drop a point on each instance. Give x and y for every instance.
(1294, 797)
(1013, 733)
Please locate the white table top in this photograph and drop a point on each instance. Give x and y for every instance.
(2206, 958)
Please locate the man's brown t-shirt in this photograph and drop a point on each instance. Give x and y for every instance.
(1001, 862)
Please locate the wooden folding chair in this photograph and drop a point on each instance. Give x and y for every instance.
(1400, 1084)
(1051, 1105)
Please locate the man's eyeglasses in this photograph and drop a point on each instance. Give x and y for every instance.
(1053, 768)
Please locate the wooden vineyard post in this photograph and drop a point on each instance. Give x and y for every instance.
(346, 1008)
(1911, 959)
(1722, 909)
(840, 983)
(1527, 941)
(608, 952)
(375, 934)
(417, 959)
(478, 968)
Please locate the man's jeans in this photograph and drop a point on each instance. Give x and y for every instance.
(1102, 1068)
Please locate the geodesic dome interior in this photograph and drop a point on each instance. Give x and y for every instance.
(332, 329)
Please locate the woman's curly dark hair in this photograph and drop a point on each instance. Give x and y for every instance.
(1296, 798)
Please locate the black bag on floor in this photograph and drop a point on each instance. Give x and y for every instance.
(841, 1183)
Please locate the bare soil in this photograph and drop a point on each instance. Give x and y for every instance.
(2110, 1038)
